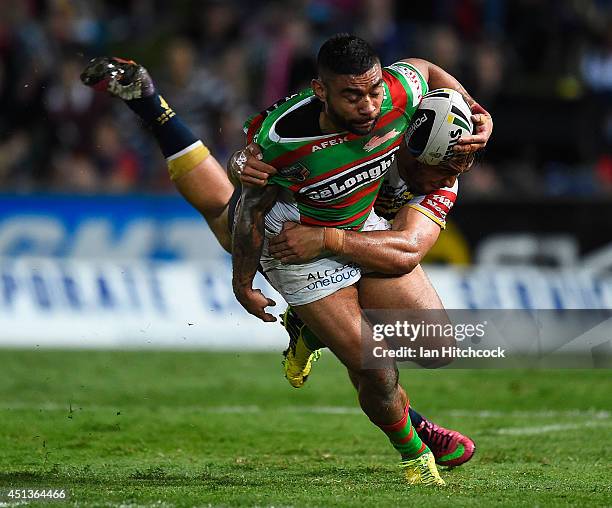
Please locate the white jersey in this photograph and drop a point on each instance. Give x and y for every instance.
(395, 193)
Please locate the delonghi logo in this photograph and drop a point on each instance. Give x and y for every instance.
(347, 182)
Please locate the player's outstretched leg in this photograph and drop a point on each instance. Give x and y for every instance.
(449, 447)
(339, 318)
(302, 351)
(196, 174)
(414, 292)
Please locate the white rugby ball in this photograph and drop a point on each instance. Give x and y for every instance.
(441, 119)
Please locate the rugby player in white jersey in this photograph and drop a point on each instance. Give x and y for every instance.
(202, 181)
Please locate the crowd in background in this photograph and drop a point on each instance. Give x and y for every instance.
(542, 67)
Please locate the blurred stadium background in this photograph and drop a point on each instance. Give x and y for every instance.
(98, 250)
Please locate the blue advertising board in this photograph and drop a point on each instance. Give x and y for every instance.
(152, 227)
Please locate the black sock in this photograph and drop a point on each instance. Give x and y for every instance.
(171, 133)
(415, 418)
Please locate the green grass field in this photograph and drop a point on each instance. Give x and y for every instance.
(222, 429)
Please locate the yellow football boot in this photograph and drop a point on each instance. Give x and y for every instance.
(422, 471)
(298, 356)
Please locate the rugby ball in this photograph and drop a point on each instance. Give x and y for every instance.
(441, 119)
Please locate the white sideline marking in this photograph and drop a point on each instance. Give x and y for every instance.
(225, 409)
(329, 410)
(158, 504)
(545, 429)
(324, 410)
(551, 413)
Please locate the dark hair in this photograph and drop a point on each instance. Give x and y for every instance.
(345, 54)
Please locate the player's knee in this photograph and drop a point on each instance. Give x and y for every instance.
(438, 352)
(354, 377)
(383, 382)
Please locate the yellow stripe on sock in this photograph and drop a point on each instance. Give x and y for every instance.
(184, 161)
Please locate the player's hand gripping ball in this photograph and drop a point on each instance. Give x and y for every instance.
(442, 119)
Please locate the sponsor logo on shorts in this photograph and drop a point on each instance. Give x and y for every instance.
(345, 183)
(331, 277)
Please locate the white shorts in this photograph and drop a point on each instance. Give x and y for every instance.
(321, 277)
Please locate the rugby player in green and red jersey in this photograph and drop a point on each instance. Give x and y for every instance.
(199, 177)
(332, 146)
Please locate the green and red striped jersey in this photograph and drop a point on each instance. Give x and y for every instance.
(333, 179)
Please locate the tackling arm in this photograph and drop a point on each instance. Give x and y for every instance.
(247, 246)
(396, 252)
